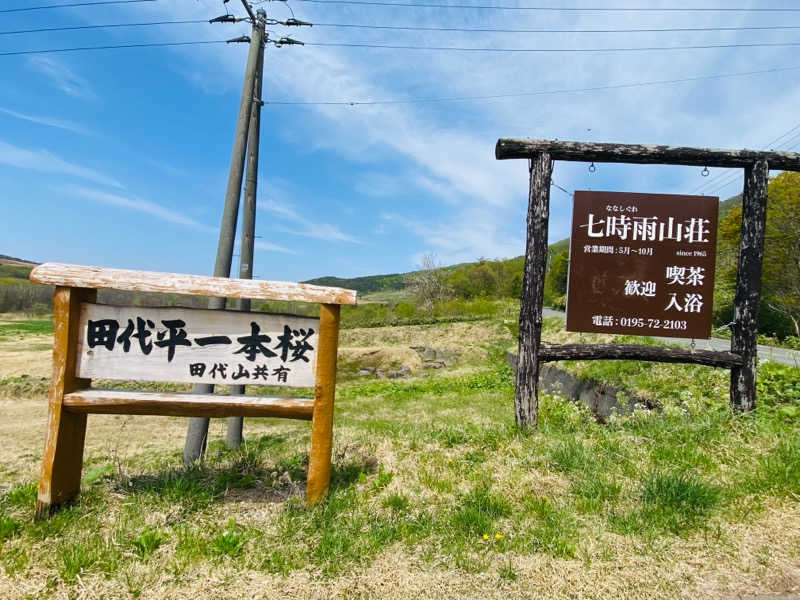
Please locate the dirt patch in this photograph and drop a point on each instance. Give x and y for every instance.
(381, 357)
(26, 355)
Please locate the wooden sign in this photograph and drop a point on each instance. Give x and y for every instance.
(196, 346)
(182, 345)
(642, 264)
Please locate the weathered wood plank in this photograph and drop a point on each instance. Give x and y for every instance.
(216, 347)
(60, 478)
(554, 352)
(526, 400)
(748, 285)
(178, 283)
(319, 454)
(184, 404)
(643, 153)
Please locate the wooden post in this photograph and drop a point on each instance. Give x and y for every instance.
(319, 455)
(748, 285)
(526, 400)
(60, 478)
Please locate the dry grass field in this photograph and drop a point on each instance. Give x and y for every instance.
(435, 492)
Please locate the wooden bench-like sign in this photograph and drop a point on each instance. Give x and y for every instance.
(182, 345)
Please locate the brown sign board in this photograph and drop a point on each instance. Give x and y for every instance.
(642, 264)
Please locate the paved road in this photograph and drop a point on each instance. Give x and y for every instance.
(779, 355)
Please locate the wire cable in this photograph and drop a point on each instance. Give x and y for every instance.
(534, 93)
(72, 5)
(421, 28)
(713, 181)
(548, 8)
(82, 27)
(490, 30)
(112, 47)
(555, 50)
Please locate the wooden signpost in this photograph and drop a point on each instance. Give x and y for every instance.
(741, 359)
(182, 345)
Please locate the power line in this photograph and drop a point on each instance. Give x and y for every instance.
(409, 47)
(420, 28)
(534, 93)
(72, 5)
(112, 47)
(558, 50)
(82, 27)
(547, 8)
(712, 183)
(490, 30)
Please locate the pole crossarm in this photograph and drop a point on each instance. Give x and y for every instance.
(643, 154)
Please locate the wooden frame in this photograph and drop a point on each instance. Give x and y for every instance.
(70, 398)
(741, 359)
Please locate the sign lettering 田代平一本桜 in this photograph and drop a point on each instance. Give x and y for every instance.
(196, 346)
(642, 264)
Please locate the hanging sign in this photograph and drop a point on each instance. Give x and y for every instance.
(642, 264)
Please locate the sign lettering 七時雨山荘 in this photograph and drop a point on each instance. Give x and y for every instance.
(642, 264)
(196, 346)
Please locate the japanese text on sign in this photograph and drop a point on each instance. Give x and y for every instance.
(199, 346)
(642, 264)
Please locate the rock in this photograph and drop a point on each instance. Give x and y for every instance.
(601, 398)
(395, 373)
(433, 364)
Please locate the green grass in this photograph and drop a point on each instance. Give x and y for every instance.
(433, 467)
(26, 327)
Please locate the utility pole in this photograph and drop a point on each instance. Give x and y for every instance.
(197, 432)
(233, 436)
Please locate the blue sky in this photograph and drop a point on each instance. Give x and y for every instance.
(120, 157)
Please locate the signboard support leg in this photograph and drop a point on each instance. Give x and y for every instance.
(319, 455)
(60, 479)
(748, 285)
(526, 399)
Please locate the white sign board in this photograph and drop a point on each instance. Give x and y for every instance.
(196, 346)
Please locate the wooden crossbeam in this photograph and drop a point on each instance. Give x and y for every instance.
(643, 154)
(182, 404)
(709, 358)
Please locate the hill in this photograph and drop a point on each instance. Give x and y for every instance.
(15, 268)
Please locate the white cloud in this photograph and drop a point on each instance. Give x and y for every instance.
(48, 121)
(47, 162)
(299, 224)
(476, 233)
(62, 77)
(157, 210)
(133, 203)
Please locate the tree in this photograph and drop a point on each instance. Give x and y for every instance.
(780, 278)
(428, 284)
(782, 247)
(557, 273)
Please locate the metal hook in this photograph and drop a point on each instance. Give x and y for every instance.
(592, 168)
(705, 172)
